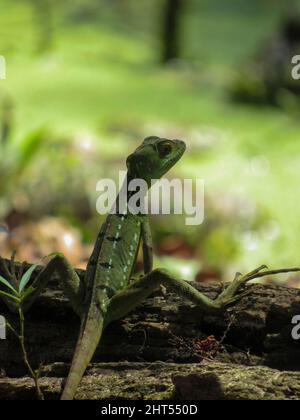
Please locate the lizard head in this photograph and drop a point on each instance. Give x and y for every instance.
(154, 158)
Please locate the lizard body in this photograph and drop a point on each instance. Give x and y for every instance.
(112, 262)
(110, 273)
(106, 293)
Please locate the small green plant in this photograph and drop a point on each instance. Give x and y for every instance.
(16, 291)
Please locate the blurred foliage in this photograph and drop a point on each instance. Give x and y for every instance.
(98, 88)
(15, 159)
(266, 79)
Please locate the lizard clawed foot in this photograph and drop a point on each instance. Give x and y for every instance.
(231, 294)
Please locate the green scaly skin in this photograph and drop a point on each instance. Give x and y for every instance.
(106, 293)
(111, 265)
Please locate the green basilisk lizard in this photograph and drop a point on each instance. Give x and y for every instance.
(107, 294)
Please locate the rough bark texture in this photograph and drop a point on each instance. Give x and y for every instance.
(171, 330)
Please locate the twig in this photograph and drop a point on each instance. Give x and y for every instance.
(253, 275)
(34, 375)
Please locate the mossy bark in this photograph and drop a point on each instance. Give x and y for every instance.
(163, 381)
(170, 330)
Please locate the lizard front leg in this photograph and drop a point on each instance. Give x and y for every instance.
(71, 283)
(147, 245)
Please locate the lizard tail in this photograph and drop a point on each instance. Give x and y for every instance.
(86, 346)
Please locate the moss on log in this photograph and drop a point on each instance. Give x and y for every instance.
(167, 381)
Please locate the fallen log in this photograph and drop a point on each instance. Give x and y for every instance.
(255, 332)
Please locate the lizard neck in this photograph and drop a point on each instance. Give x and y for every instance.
(125, 194)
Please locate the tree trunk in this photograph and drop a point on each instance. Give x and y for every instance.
(171, 30)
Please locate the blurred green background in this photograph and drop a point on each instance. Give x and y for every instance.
(88, 79)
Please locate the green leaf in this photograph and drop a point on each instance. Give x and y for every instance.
(26, 277)
(27, 292)
(9, 296)
(7, 284)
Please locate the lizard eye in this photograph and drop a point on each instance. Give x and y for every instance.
(164, 149)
